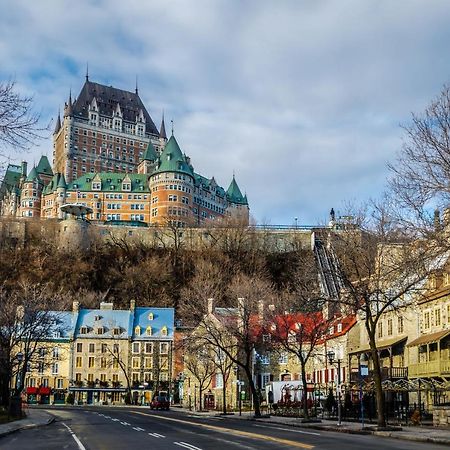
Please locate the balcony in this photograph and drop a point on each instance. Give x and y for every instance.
(387, 373)
(437, 368)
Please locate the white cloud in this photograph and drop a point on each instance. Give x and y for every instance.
(301, 99)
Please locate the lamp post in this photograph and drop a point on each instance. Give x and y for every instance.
(331, 359)
(295, 219)
(363, 372)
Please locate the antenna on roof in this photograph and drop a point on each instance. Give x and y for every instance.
(136, 84)
(87, 71)
(172, 126)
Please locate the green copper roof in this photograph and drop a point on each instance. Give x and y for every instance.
(44, 166)
(110, 182)
(51, 186)
(173, 160)
(234, 194)
(33, 175)
(62, 181)
(205, 183)
(11, 179)
(150, 154)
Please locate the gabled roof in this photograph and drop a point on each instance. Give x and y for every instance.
(173, 160)
(107, 98)
(110, 182)
(108, 319)
(234, 194)
(156, 318)
(150, 154)
(44, 166)
(205, 183)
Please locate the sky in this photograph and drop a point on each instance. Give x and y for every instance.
(302, 100)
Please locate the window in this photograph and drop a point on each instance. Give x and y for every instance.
(78, 377)
(91, 361)
(148, 363)
(135, 377)
(219, 380)
(389, 327)
(91, 348)
(104, 348)
(283, 358)
(79, 362)
(100, 330)
(55, 352)
(103, 377)
(137, 331)
(164, 348)
(339, 328)
(150, 316)
(60, 383)
(426, 320)
(83, 330)
(380, 329)
(149, 347)
(148, 331)
(265, 359)
(136, 363)
(55, 368)
(116, 331)
(136, 348)
(437, 317)
(115, 378)
(116, 349)
(103, 363)
(164, 331)
(400, 325)
(90, 377)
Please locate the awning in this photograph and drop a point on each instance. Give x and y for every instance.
(429, 338)
(44, 390)
(87, 389)
(380, 345)
(32, 390)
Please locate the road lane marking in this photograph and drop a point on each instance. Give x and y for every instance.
(248, 434)
(115, 420)
(125, 423)
(186, 445)
(138, 429)
(75, 437)
(156, 435)
(288, 429)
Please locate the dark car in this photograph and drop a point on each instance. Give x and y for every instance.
(160, 402)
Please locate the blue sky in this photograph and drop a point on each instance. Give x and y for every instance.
(301, 99)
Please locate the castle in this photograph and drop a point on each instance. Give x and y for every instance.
(109, 156)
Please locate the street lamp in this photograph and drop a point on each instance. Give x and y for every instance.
(331, 359)
(296, 219)
(363, 372)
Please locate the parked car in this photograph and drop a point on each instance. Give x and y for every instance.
(160, 402)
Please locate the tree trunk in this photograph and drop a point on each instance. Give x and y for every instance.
(224, 396)
(255, 395)
(200, 390)
(305, 392)
(381, 419)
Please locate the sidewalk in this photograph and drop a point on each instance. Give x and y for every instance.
(35, 418)
(410, 433)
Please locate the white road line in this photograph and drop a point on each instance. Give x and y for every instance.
(107, 417)
(75, 437)
(186, 445)
(288, 429)
(115, 420)
(156, 435)
(125, 423)
(138, 429)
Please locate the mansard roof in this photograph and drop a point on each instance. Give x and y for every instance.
(111, 182)
(173, 160)
(33, 175)
(157, 319)
(209, 184)
(150, 154)
(107, 98)
(11, 179)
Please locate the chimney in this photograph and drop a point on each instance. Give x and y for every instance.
(132, 305)
(106, 305)
(437, 220)
(23, 166)
(75, 306)
(210, 305)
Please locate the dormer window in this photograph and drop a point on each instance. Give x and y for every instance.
(331, 330)
(126, 186)
(150, 316)
(83, 330)
(137, 330)
(148, 331)
(100, 330)
(339, 327)
(96, 318)
(164, 331)
(116, 331)
(96, 186)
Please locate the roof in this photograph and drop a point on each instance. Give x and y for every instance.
(234, 194)
(11, 179)
(108, 319)
(107, 98)
(206, 183)
(157, 319)
(33, 175)
(110, 182)
(386, 343)
(429, 338)
(150, 154)
(57, 124)
(173, 160)
(58, 181)
(44, 166)
(162, 131)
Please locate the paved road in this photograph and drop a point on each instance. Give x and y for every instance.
(111, 428)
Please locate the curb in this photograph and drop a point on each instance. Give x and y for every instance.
(28, 426)
(431, 440)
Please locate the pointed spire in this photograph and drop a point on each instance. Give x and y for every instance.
(69, 110)
(87, 71)
(234, 194)
(58, 123)
(162, 131)
(172, 126)
(137, 90)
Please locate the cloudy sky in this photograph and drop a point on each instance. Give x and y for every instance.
(301, 99)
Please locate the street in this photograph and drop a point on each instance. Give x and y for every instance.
(91, 428)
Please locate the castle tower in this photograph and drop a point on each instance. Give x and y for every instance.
(172, 187)
(30, 201)
(149, 159)
(237, 203)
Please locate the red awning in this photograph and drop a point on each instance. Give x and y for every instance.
(44, 390)
(32, 390)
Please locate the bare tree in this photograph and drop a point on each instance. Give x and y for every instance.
(19, 125)
(380, 269)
